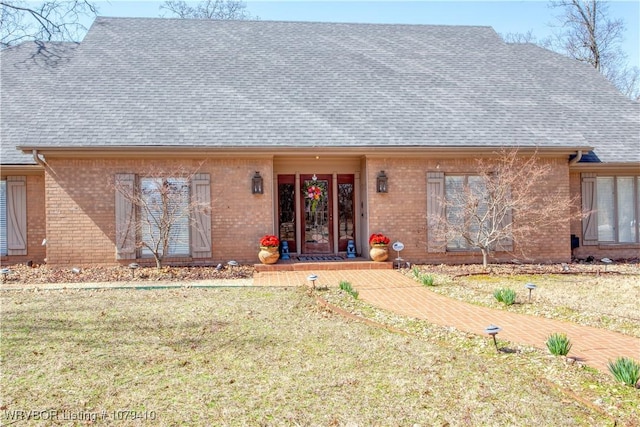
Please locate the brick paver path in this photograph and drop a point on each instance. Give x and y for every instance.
(395, 292)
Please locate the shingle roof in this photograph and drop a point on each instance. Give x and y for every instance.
(200, 83)
(28, 74)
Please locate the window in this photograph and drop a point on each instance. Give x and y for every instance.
(617, 208)
(165, 209)
(154, 210)
(462, 214)
(466, 209)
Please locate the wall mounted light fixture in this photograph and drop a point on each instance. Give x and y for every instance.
(256, 184)
(381, 183)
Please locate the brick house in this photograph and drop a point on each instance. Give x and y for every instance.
(296, 105)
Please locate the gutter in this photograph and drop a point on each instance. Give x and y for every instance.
(576, 159)
(38, 159)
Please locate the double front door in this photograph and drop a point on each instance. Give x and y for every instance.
(316, 212)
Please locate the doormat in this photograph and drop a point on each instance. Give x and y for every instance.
(308, 258)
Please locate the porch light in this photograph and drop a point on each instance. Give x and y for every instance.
(381, 183)
(256, 184)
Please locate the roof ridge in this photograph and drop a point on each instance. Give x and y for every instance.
(239, 22)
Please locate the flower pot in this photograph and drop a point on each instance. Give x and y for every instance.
(268, 254)
(379, 253)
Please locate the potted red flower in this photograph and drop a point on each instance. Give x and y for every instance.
(269, 245)
(379, 247)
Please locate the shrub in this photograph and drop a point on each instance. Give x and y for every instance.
(346, 286)
(505, 295)
(558, 344)
(426, 280)
(416, 272)
(625, 370)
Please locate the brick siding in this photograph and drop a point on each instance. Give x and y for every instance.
(80, 203)
(401, 213)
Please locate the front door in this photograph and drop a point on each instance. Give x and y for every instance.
(317, 219)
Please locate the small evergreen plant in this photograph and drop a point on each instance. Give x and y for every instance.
(626, 370)
(506, 296)
(346, 286)
(426, 280)
(558, 344)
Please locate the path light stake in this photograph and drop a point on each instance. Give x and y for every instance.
(531, 287)
(232, 264)
(312, 278)
(133, 266)
(606, 262)
(493, 331)
(5, 272)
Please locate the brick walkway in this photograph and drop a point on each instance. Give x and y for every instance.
(392, 291)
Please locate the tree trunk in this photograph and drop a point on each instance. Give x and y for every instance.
(484, 258)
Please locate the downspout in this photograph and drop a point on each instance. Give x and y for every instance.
(576, 159)
(38, 160)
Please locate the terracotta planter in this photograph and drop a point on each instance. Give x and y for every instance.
(379, 253)
(268, 254)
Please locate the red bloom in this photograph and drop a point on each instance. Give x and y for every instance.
(269, 240)
(378, 239)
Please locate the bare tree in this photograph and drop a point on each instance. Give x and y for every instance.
(162, 211)
(500, 207)
(47, 20)
(588, 34)
(208, 9)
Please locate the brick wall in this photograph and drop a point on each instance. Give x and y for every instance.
(401, 213)
(80, 204)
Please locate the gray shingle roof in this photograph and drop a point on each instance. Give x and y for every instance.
(28, 75)
(173, 82)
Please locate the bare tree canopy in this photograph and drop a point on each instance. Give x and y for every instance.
(48, 20)
(159, 212)
(208, 9)
(588, 34)
(500, 207)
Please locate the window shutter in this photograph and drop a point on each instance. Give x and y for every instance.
(201, 225)
(3, 217)
(436, 240)
(17, 215)
(589, 209)
(125, 216)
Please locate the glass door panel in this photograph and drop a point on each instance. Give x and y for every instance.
(316, 202)
(287, 210)
(346, 217)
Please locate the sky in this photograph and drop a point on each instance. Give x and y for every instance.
(506, 16)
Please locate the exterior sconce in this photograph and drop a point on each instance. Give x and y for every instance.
(256, 184)
(381, 183)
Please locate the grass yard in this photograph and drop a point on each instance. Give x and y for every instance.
(608, 300)
(273, 357)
